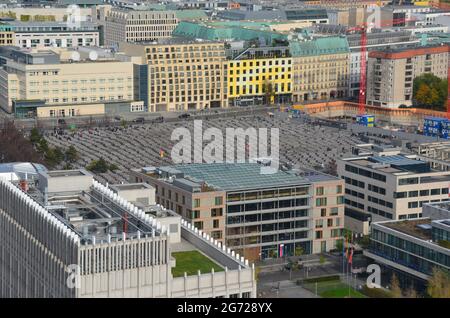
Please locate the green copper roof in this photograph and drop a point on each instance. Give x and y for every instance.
(215, 33)
(319, 46)
(190, 14)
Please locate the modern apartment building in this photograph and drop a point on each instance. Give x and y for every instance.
(260, 76)
(257, 215)
(390, 73)
(134, 25)
(386, 184)
(54, 34)
(71, 237)
(179, 74)
(320, 69)
(414, 247)
(375, 41)
(63, 77)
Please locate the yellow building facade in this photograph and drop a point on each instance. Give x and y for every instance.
(259, 80)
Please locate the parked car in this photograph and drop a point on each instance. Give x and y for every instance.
(62, 121)
(184, 116)
(159, 119)
(139, 120)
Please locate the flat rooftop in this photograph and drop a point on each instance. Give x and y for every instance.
(393, 164)
(67, 173)
(130, 186)
(412, 227)
(176, 40)
(93, 216)
(239, 176)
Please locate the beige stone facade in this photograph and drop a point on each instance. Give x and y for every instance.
(182, 75)
(328, 214)
(135, 25)
(59, 80)
(320, 77)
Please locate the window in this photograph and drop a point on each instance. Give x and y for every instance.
(319, 224)
(216, 212)
(218, 200)
(195, 214)
(329, 222)
(406, 181)
(196, 203)
(340, 200)
(424, 193)
(339, 189)
(435, 191)
(413, 205)
(323, 212)
(334, 211)
(321, 201)
(413, 194)
(215, 224)
(319, 235)
(319, 191)
(399, 195)
(199, 225)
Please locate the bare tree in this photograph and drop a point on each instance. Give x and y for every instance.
(439, 284)
(14, 147)
(395, 287)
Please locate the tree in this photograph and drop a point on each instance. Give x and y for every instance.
(430, 91)
(423, 95)
(395, 287)
(53, 156)
(42, 145)
(439, 284)
(98, 166)
(71, 154)
(411, 293)
(35, 136)
(322, 259)
(269, 92)
(298, 251)
(339, 245)
(14, 147)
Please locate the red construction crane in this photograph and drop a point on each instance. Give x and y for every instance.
(448, 92)
(363, 58)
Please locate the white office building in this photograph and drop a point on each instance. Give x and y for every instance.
(68, 236)
(54, 34)
(386, 184)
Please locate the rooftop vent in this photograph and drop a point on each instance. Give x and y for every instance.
(425, 227)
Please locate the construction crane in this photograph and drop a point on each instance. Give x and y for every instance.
(362, 29)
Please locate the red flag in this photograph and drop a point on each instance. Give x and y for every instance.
(346, 247)
(350, 259)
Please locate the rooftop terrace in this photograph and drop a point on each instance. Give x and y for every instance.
(417, 228)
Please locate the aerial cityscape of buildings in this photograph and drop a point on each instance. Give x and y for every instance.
(103, 194)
